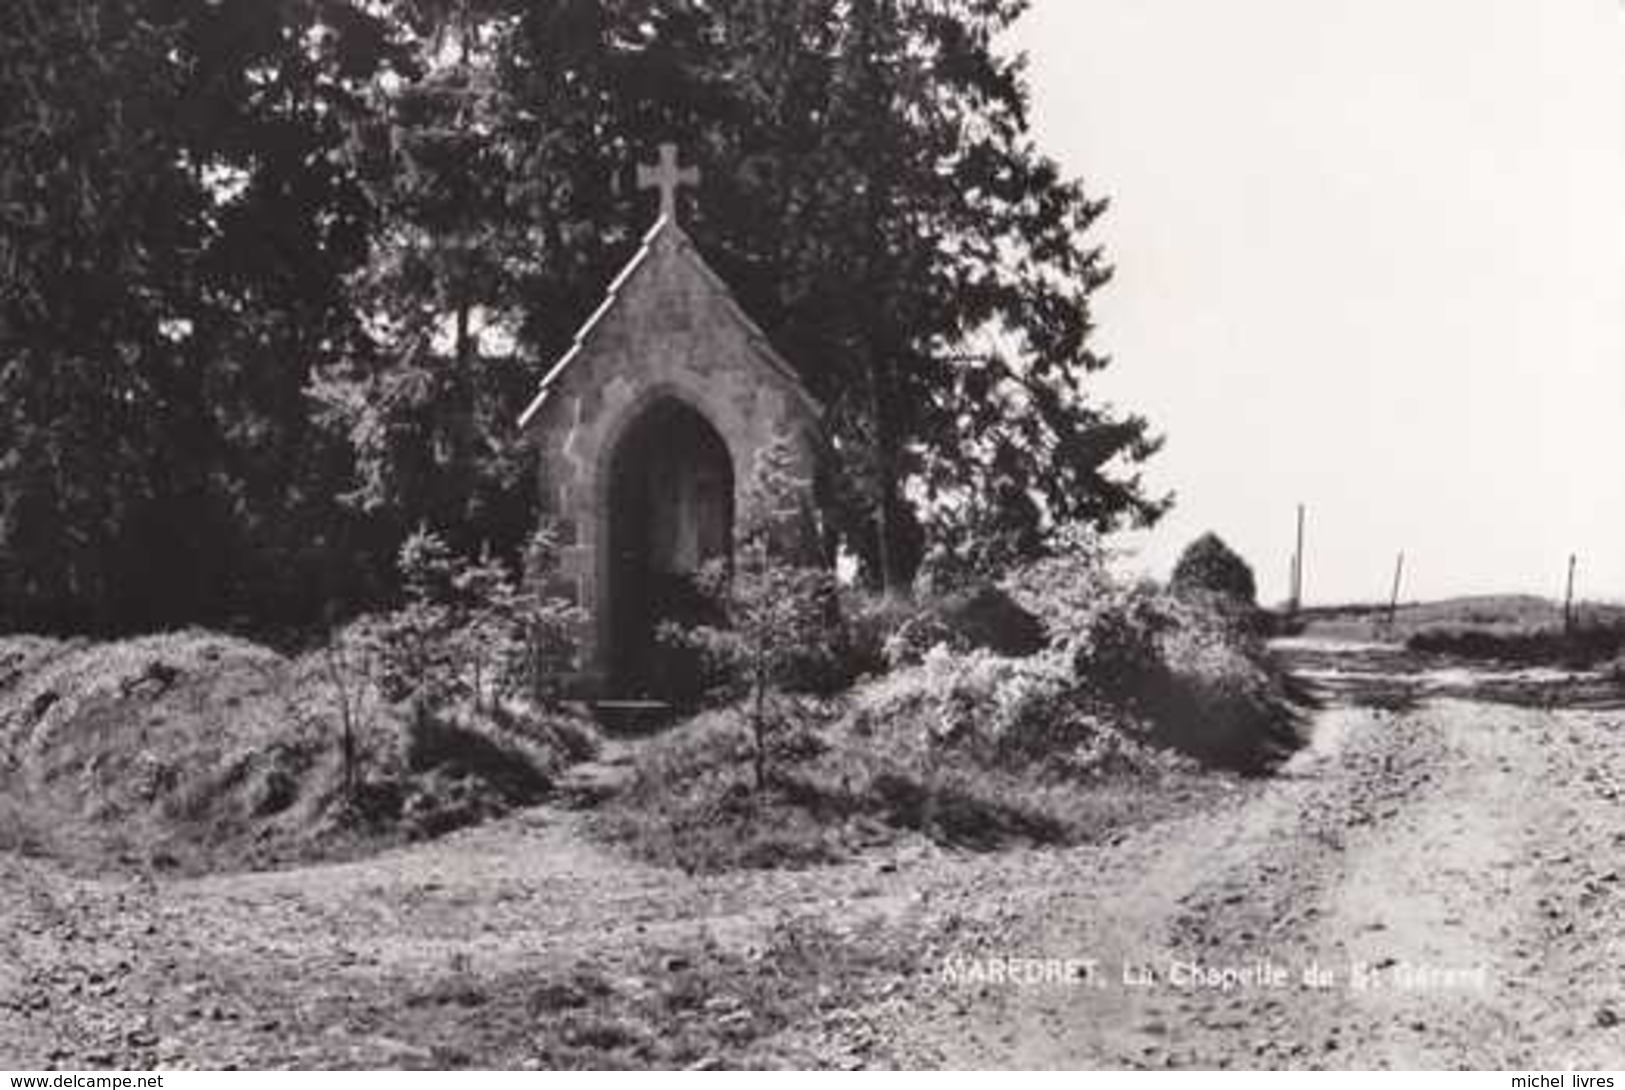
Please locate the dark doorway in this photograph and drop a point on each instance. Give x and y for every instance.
(671, 512)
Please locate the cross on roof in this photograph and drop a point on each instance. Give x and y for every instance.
(666, 177)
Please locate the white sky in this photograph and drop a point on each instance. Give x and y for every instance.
(1370, 255)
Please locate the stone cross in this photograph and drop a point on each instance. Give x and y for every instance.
(666, 177)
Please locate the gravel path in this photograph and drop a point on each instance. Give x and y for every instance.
(1439, 888)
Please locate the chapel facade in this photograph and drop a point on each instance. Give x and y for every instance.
(649, 429)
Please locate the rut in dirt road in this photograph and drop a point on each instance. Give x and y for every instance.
(1435, 888)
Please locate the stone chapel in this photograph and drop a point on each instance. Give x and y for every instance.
(649, 429)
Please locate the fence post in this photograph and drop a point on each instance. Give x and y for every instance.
(1568, 601)
(1393, 598)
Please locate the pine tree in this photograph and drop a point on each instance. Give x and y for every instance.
(174, 236)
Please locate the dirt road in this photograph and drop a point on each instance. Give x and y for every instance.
(1440, 887)
(1434, 884)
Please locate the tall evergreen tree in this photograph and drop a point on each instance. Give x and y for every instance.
(212, 209)
(426, 406)
(173, 233)
(874, 193)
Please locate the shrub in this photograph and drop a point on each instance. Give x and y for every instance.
(916, 636)
(469, 629)
(1002, 713)
(1208, 564)
(893, 632)
(985, 617)
(1067, 586)
(1221, 698)
(689, 806)
(873, 622)
(971, 547)
(1106, 629)
(548, 624)
(847, 785)
(1192, 666)
(468, 635)
(778, 620)
(1116, 653)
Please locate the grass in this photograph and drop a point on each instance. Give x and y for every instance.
(976, 750)
(200, 751)
(972, 751)
(691, 804)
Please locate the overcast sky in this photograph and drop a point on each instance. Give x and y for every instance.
(1370, 255)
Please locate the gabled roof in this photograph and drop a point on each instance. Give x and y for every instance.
(677, 237)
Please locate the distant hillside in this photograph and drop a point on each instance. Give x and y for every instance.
(1507, 627)
(1511, 611)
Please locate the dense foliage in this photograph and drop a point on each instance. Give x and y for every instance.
(1208, 564)
(276, 277)
(469, 631)
(777, 618)
(176, 229)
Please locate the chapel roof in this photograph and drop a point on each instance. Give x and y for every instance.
(667, 232)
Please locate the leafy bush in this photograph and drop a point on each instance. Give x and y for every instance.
(779, 625)
(849, 782)
(469, 630)
(985, 618)
(548, 625)
(469, 634)
(1116, 651)
(969, 747)
(1106, 628)
(1069, 591)
(873, 622)
(1004, 713)
(1067, 586)
(885, 632)
(971, 546)
(1208, 564)
(1191, 665)
(1222, 698)
(980, 617)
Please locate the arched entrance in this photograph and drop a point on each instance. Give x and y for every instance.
(671, 512)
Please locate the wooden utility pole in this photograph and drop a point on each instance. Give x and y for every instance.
(1297, 566)
(1568, 600)
(1393, 597)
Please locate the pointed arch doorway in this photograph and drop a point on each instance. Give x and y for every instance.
(670, 514)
